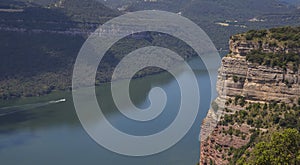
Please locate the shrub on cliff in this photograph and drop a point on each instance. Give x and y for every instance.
(255, 34)
(282, 148)
(288, 36)
(288, 60)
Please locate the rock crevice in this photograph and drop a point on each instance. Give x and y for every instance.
(253, 82)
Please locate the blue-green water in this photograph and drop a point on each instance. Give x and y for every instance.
(37, 131)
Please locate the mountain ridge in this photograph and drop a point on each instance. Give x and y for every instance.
(57, 31)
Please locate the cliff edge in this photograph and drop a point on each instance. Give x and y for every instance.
(258, 92)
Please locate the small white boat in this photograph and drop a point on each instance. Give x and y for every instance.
(58, 101)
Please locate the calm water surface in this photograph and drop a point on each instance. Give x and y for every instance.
(41, 131)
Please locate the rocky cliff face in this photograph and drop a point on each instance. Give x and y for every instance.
(243, 47)
(254, 83)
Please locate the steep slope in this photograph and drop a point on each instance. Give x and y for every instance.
(78, 10)
(220, 18)
(40, 43)
(207, 7)
(292, 2)
(259, 84)
(43, 37)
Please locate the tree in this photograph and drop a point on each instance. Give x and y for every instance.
(283, 148)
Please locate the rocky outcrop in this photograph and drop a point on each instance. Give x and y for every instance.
(255, 83)
(242, 47)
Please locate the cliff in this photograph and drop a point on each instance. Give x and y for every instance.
(249, 90)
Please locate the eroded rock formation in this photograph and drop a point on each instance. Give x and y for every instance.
(255, 83)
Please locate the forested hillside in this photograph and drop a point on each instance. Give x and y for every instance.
(220, 18)
(292, 2)
(40, 39)
(40, 42)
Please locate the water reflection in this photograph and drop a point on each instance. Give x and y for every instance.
(42, 134)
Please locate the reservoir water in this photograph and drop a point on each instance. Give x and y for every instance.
(45, 130)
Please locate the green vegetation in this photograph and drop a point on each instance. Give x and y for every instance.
(275, 137)
(231, 131)
(288, 35)
(282, 39)
(238, 153)
(52, 58)
(266, 115)
(240, 100)
(235, 78)
(40, 47)
(284, 36)
(252, 34)
(282, 148)
(37, 62)
(289, 60)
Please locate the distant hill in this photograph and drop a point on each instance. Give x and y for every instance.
(249, 8)
(41, 42)
(292, 2)
(77, 10)
(42, 37)
(212, 15)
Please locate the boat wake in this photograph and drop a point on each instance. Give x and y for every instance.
(19, 108)
(57, 101)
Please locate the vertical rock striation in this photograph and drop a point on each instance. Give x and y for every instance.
(252, 81)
